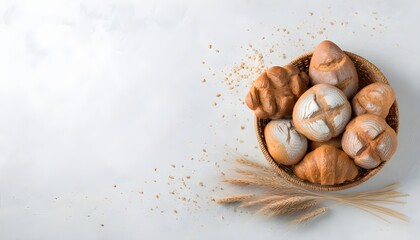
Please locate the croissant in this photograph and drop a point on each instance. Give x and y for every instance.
(274, 93)
(326, 165)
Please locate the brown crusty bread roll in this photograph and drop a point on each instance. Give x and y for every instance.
(285, 145)
(326, 165)
(369, 140)
(274, 93)
(322, 113)
(376, 98)
(329, 64)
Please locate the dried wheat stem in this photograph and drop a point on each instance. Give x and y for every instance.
(357, 205)
(253, 173)
(234, 198)
(269, 183)
(282, 205)
(386, 190)
(263, 200)
(253, 164)
(385, 200)
(310, 215)
(387, 211)
(295, 208)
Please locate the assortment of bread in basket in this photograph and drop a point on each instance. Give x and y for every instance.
(327, 121)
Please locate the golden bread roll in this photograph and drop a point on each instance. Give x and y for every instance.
(369, 140)
(329, 64)
(285, 145)
(274, 93)
(376, 98)
(326, 165)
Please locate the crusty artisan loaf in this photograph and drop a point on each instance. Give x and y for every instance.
(321, 113)
(329, 64)
(376, 98)
(369, 140)
(284, 143)
(274, 93)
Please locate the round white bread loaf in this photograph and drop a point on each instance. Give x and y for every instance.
(329, 64)
(284, 143)
(321, 113)
(369, 140)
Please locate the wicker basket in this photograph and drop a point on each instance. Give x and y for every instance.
(368, 73)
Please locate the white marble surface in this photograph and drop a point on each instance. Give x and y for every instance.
(94, 95)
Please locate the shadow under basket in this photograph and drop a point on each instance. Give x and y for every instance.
(367, 73)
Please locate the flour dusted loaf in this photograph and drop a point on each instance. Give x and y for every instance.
(322, 113)
(369, 141)
(326, 165)
(376, 98)
(284, 143)
(329, 64)
(274, 93)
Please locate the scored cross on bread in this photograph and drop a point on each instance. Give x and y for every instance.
(369, 141)
(322, 113)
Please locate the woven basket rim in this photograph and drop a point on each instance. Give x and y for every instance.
(313, 186)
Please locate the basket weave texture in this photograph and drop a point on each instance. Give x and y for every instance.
(367, 73)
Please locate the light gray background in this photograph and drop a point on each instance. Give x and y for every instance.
(94, 95)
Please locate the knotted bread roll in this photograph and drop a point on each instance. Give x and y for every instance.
(369, 140)
(322, 113)
(274, 93)
(326, 165)
(376, 98)
(285, 145)
(329, 64)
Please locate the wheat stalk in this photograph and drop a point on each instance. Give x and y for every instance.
(310, 215)
(280, 197)
(234, 198)
(282, 205)
(294, 208)
(262, 200)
